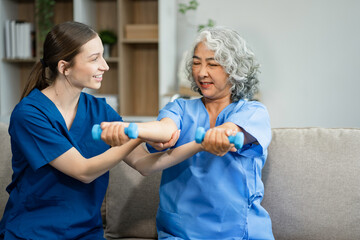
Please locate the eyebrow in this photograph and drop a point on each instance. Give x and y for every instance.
(207, 59)
(94, 54)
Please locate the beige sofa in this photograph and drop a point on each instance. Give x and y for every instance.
(312, 188)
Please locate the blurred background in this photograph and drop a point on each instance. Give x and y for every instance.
(309, 51)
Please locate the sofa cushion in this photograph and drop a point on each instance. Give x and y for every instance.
(5, 165)
(312, 183)
(131, 204)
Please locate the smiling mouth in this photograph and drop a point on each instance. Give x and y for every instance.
(205, 84)
(98, 76)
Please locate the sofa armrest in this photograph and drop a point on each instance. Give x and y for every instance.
(5, 165)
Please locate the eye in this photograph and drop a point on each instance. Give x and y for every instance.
(214, 64)
(95, 59)
(196, 63)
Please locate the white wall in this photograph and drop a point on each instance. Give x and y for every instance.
(309, 51)
(10, 89)
(167, 49)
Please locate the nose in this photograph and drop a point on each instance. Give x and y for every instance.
(104, 66)
(203, 71)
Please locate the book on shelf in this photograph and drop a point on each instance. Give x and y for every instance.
(19, 39)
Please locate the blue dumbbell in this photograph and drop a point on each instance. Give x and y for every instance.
(131, 131)
(237, 140)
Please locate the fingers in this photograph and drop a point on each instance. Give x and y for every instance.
(233, 149)
(158, 146)
(174, 138)
(216, 141)
(104, 125)
(113, 133)
(161, 146)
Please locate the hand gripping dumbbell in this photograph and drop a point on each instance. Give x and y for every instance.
(131, 131)
(237, 140)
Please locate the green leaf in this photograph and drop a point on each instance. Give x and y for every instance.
(44, 11)
(183, 8)
(107, 37)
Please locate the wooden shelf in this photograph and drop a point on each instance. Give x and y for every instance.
(136, 41)
(134, 62)
(19, 60)
(139, 61)
(141, 31)
(112, 60)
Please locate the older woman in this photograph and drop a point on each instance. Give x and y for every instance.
(216, 193)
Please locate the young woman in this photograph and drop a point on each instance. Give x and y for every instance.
(60, 174)
(215, 194)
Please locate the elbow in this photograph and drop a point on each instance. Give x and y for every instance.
(83, 175)
(84, 178)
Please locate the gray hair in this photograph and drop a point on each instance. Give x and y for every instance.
(232, 53)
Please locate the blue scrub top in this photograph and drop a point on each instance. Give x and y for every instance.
(45, 203)
(211, 197)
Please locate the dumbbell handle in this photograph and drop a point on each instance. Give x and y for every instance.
(131, 131)
(237, 140)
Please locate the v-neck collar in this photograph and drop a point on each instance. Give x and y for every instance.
(78, 116)
(218, 116)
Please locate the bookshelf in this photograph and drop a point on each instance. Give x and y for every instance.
(142, 62)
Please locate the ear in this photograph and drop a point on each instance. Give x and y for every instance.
(62, 67)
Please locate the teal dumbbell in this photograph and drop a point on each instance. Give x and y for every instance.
(237, 140)
(131, 131)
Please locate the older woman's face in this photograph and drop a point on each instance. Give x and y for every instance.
(209, 75)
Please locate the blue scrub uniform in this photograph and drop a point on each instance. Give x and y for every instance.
(211, 197)
(45, 203)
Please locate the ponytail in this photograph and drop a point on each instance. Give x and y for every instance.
(37, 79)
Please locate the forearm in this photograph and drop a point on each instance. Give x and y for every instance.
(148, 163)
(102, 163)
(72, 163)
(157, 131)
(113, 133)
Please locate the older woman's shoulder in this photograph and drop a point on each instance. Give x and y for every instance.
(187, 101)
(246, 104)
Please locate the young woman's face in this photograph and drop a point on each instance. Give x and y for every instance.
(209, 75)
(89, 66)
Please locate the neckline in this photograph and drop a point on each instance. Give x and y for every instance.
(220, 113)
(58, 113)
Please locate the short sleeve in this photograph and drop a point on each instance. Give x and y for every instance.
(253, 117)
(112, 115)
(173, 110)
(36, 138)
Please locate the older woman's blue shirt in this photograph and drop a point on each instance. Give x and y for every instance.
(44, 203)
(211, 197)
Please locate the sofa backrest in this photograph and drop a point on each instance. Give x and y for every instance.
(311, 177)
(5, 165)
(312, 184)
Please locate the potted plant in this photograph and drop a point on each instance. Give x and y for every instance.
(193, 5)
(108, 38)
(44, 12)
